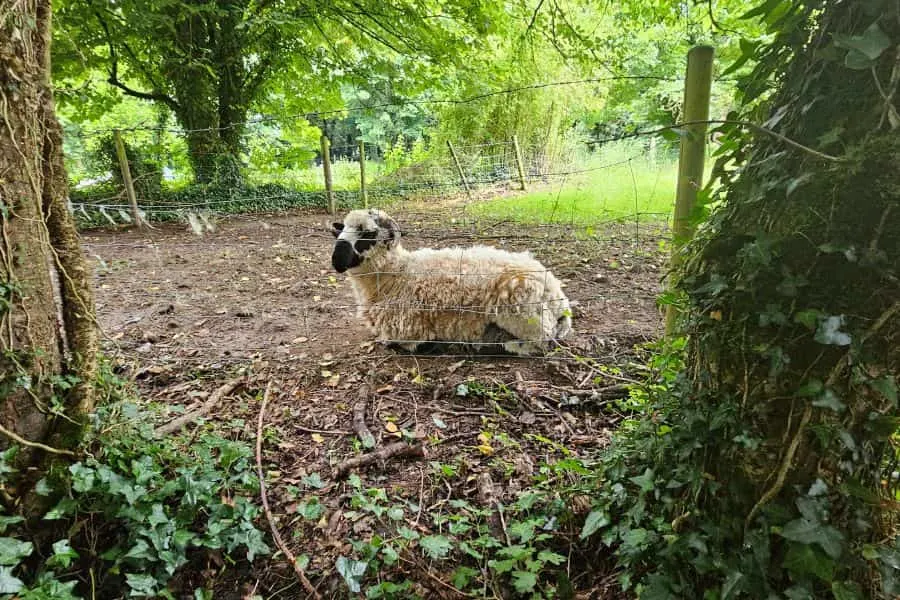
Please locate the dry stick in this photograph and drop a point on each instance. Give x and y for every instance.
(17, 438)
(359, 418)
(265, 501)
(807, 414)
(401, 449)
(214, 399)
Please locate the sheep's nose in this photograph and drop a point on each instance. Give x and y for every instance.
(342, 257)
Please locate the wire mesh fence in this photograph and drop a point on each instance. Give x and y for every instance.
(272, 174)
(595, 214)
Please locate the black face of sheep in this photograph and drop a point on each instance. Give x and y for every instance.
(351, 247)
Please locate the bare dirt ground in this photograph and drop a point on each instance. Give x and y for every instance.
(182, 314)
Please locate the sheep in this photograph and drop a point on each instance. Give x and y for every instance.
(476, 296)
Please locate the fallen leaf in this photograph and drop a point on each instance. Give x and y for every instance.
(391, 427)
(485, 449)
(317, 438)
(300, 340)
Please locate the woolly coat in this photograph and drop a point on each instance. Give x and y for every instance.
(458, 295)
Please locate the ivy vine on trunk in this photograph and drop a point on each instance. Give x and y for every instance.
(769, 467)
(48, 343)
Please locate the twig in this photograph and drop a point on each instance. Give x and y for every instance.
(265, 501)
(359, 418)
(17, 438)
(398, 449)
(305, 429)
(213, 400)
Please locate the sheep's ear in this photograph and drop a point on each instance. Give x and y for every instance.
(336, 229)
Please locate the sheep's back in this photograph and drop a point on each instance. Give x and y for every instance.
(478, 276)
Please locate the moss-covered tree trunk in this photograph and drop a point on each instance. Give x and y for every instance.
(48, 339)
(794, 312)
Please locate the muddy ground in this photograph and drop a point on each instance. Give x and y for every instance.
(184, 314)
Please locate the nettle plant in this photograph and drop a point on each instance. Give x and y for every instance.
(129, 514)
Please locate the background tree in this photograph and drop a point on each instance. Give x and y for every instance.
(210, 62)
(46, 309)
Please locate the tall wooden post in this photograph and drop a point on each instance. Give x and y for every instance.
(362, 174)
(126, 179)
(697, 86)
(462, 176)
(326, 169)
(519, 165)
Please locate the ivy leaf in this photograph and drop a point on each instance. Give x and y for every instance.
(595, 521)
(871, 43)
(524, 581)
(313, 480)
(646, 481)
(82, 478)
(808, 318)
(829, 332)
(141, 585)
(731, 584)
(803, 559)
(351, 570)
(9, 584)
(63, 554)
(807, 532)
(818, 488)
(436, 546)
(846, 590)
(887, 387)
(12, 551)
(828, 399)
(810, 388)
(42, 487)
(6, 521)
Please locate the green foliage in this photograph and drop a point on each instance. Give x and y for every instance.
(134, 511)
(619, 182)
(525, 556)
(765, 466)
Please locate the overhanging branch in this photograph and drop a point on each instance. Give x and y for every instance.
(113, 78)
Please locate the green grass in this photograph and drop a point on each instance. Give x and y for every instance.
(609, 188)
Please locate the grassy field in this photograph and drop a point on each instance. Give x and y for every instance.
(606, 187)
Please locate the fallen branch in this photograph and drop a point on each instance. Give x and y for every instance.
(191, 416)
(398, 449)
(301, 576)
(487, 497)
(359, 419)
(18, 438)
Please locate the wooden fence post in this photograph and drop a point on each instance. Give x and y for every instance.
(126, 179)
(326, 169)
(519, 164)
(362, 174)
(459, 170)
(697, 85)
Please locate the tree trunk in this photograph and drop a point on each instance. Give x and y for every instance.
(46, 304)
(794, 321)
